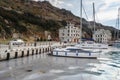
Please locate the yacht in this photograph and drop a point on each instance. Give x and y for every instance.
(85, 49)
(91, 45)
(75, 52)
(116, 44)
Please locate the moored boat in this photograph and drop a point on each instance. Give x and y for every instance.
(91, 45)
(116, 44)
(75, 52)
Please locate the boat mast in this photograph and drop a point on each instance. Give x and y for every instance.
(81, 20)
(118, 22)
(93, 18)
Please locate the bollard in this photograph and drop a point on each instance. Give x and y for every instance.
(43, 50)
(22, 54)
(8, 56)
(28, 52)
(16, 54)
(32, 51)
(40, 51)
(50, 49)
(46, 50)
(36, 51)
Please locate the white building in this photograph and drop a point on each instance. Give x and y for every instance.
(102, 36)
(69, 33)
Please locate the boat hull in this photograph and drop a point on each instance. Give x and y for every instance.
(74, 55)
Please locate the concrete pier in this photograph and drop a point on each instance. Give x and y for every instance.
(28, 50)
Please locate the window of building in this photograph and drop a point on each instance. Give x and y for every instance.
(68, 26)
(68, 40)
(68, 31)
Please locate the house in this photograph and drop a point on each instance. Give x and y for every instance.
(102, 36)
(69, 33)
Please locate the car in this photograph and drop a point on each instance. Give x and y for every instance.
(17, 42)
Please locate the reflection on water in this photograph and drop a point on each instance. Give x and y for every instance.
(45, 67)
(108, 69)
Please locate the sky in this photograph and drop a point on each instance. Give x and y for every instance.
(106, 11)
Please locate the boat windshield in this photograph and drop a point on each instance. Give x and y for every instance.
(76, 50)
(90, 42)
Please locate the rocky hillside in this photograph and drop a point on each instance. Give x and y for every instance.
(30, 19)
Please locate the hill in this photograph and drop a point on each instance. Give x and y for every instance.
(30, 19)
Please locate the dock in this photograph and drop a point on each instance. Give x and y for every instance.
(28, 49)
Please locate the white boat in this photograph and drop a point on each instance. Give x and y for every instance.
(78, 51)
(116, 43)
(75, 52)
(91, 45)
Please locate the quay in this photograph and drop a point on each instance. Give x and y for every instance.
(16, 51)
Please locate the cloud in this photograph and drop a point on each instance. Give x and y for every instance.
(70, 5)
(58, 3)
(107, 15)
(106, 10)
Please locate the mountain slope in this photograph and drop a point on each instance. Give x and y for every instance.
(31, 19)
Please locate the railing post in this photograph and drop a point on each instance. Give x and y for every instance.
(36, 51)
(32, 51)
(8, 56)
(40, 51)
(22, 54)
(16, 54)
(28, 52)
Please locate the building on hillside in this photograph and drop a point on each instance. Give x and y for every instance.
(47, 35)
(102, 36)
(69, 33)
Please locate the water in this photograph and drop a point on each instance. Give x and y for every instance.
(43, 67)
